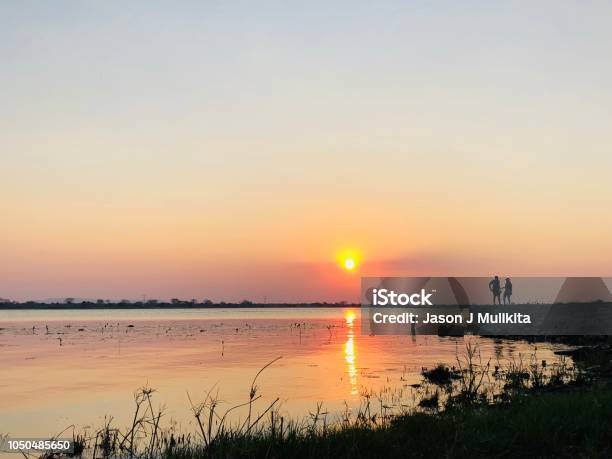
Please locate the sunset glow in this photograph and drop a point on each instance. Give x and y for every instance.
(349, 264)
(349, 351)
(168, 191)
(348, 259)
(349, 317)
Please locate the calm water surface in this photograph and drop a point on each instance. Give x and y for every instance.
(76, 367)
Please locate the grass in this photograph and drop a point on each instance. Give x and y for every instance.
(527, 408)
(572, 424)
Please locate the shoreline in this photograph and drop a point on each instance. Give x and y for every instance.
(34, 305)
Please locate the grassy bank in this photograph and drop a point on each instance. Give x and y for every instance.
(476, 408)
(555, 424)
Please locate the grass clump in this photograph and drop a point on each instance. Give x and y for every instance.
(441, 375)
(573, 424)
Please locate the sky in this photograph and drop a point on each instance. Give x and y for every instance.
(231, 150)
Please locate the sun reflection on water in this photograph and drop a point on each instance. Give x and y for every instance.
(349, 350)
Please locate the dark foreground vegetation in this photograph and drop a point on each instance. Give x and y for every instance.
(473, 409)
(567, 424)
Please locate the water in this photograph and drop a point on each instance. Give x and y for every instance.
(78, 366)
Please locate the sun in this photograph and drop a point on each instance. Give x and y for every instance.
(349, 264)
(348, 259)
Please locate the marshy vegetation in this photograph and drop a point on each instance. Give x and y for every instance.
(473, 408)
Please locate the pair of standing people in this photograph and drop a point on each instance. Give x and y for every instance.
(496, 288)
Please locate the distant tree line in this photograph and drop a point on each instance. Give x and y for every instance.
(72, 303)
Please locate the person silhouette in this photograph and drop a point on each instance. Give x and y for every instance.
(507, 290)
(495, 287)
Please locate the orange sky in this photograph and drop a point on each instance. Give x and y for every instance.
(169, 167)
